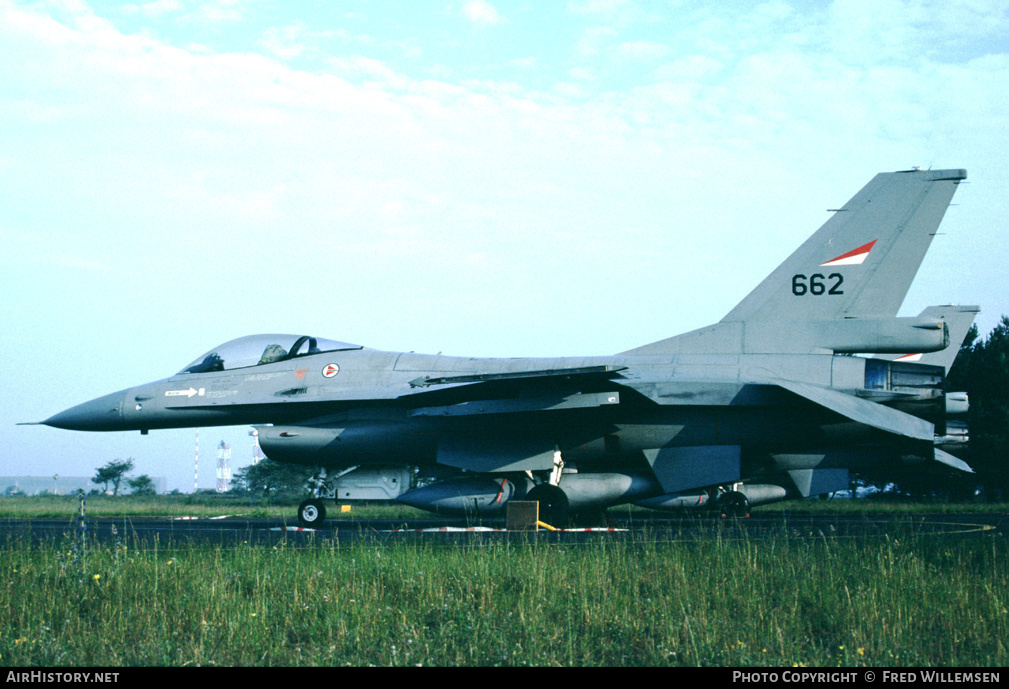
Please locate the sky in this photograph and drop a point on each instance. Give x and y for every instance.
(472, 177)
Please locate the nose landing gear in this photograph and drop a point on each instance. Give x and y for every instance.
(312, 513)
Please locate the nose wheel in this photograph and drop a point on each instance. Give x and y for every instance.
(311, 513)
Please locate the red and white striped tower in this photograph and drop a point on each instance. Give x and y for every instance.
(223, 467)
(257, 451)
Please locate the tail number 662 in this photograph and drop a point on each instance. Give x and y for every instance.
(816, 284)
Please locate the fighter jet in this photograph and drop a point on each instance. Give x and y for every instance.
(776, 400)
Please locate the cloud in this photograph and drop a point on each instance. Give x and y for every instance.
(238, 154)
(592, 40)
(157, 8)
(605, 7)
(285, 41)
(367, 70)
(99, 263)
(219, 11)
(643, 50)
(481, 12)
(690, 68)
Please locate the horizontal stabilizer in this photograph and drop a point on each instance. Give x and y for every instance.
(863, 411)
(775, 393)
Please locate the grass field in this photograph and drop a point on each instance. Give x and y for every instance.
(210, 505)
(902, 600)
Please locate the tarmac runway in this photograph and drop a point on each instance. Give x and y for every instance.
(234, 531)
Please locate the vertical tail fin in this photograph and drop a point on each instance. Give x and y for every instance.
(861, 262)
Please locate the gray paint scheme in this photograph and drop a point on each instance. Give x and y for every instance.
(730, 408)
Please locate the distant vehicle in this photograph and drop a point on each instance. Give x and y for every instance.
(766, 404)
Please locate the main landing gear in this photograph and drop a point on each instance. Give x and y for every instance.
(311, 513)
(554, 506)
(733, 505)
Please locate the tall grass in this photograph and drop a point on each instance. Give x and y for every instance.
(905, 600)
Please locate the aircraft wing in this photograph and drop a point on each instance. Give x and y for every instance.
(551, 375)
(465, 402)
(513, 392)
(577, 400)
(581, 390)
(510, 392)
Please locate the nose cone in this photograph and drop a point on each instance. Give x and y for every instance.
(100, 414)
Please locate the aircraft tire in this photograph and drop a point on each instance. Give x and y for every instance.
(554, 505)
(734, 505)
(311, 514)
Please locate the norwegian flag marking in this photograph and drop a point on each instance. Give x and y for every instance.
(853, 257)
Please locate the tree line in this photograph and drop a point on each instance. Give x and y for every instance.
(981, 370)
(115, 471)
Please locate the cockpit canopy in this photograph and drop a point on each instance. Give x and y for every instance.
(256, 350)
